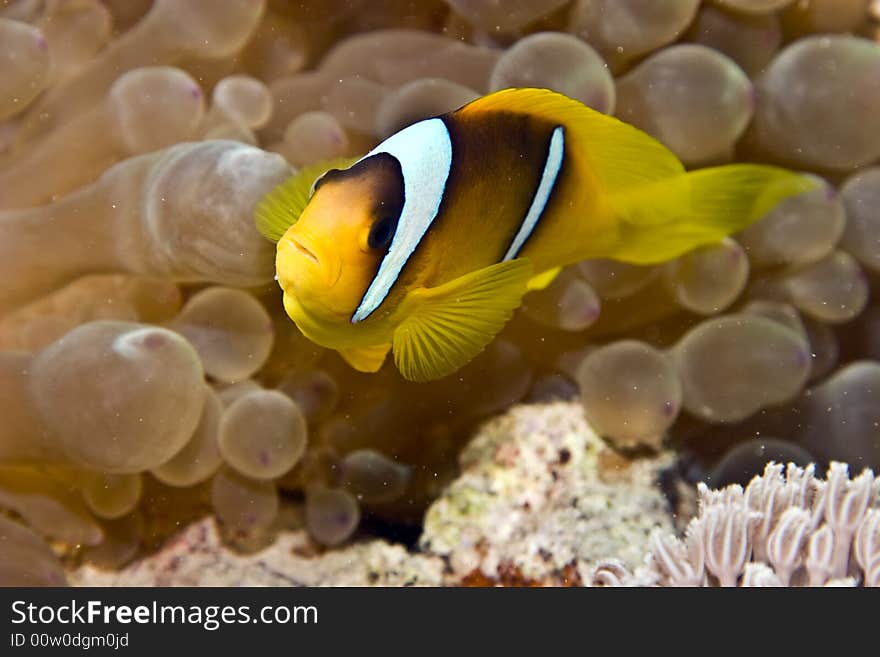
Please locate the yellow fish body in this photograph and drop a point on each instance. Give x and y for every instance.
(426, 245)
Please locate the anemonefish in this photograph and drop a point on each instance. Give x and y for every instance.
(426, 244)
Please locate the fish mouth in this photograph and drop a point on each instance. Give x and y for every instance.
(331, 266)
(305, 251)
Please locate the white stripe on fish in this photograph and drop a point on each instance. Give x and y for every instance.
(424, 151)
(552, 166)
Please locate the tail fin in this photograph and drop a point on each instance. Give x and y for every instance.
(669, 217)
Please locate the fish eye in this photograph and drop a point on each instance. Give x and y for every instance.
(381, 232)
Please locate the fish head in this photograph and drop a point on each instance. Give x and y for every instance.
(327, 259)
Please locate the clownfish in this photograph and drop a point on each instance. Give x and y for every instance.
(426, 244)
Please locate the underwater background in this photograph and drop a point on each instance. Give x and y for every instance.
(149, 376)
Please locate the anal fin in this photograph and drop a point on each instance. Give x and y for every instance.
(543, 279)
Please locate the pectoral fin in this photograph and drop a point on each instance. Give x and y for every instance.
(282, 207)
(446, 326)
(366, 359)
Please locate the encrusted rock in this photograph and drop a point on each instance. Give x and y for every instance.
(198, 557)
(538, 501)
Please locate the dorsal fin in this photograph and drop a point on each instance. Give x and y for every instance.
(620, 155)
(281, 207)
